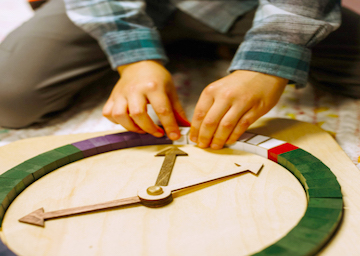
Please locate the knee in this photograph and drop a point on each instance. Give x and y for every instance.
(21, 101)
(18, 109)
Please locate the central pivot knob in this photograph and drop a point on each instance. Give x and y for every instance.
(154, 190)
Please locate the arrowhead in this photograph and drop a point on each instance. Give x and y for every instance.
(172, 151)
(255, 168)
(34, 218)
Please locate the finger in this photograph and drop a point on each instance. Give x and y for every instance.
(245, 121)
(211, 122)
(164, 110)
(120, 115)
(107, 110)
(138, 113)
(227, 126)
(201, 108)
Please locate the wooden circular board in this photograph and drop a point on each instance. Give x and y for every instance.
(238, 216)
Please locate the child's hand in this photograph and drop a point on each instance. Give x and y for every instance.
(142, 83)
(227, 107)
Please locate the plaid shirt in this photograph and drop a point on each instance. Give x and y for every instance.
(278, 43)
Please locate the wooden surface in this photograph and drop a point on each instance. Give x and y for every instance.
(238, 216)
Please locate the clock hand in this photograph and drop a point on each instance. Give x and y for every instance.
(163, 195)
(168, 164)
(38, 217)
(145, 197)
(252, 167)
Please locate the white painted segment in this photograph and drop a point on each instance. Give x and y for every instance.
(245, 136)
(237, 146)
(182, 141)
(271, 143)
(262, 152)
(190, 141)
(243, 146)
(258, 139)
(250, 148)
(184, 130)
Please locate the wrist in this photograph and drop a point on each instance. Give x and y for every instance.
(261, 76)
(121, 69)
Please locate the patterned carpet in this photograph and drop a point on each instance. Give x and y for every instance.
(338, 115)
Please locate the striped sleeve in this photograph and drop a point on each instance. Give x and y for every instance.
(283, 32)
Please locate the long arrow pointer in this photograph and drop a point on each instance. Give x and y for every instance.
(254, 168)
(168, 164)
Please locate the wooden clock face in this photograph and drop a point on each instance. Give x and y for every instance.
(235, 216)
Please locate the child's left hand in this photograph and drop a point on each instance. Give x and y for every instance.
(227, 107)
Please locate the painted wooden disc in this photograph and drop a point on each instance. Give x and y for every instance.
(199, 221)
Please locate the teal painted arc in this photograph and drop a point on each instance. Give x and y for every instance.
(314, 230)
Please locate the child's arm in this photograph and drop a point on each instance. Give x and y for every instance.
(141, 83)
(228, 106)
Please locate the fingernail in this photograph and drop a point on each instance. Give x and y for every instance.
(202, 145)
(215, 146)
(173, 136)
(193, 139)
(158, 134)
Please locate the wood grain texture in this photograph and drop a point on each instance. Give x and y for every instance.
(232, 217)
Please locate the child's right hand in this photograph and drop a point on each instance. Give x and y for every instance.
(141, 83)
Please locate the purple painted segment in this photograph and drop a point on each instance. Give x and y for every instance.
(148, 139)
(132, 139)
(102, 144)
(117, 141)
(163, 140)
(86, 147)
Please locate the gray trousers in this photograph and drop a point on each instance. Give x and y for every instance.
(47, 61)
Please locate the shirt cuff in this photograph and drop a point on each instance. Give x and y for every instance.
(280, 59)
(128, 46)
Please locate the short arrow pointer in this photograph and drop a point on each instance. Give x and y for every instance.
(168, 164)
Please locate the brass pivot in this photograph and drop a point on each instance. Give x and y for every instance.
(155, 190)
